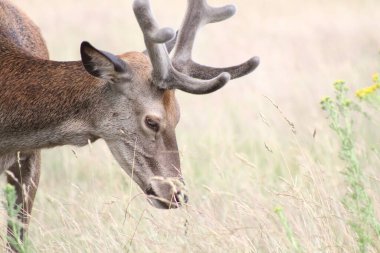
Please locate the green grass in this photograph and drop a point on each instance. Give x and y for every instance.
(341, 112)
(14, 237)
(289, 231)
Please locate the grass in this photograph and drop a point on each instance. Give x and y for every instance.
(15, 226)
(289, 231)
(341, 111)
(241, 157)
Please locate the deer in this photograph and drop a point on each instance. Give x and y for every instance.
(128, 100)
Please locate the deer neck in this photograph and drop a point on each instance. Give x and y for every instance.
(46, 103)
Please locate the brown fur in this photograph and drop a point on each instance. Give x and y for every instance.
(171, 107)
(39, 100)
(21, 31)
(169, 101)
(18, 33)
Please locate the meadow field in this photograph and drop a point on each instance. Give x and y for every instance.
(261, 164)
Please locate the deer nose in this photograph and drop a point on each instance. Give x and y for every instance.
(181, 197)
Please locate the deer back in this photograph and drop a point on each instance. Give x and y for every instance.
(17, 30)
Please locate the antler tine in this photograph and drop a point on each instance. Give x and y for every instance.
(164, 75)
(219, 14)
(154, 37)
(199, 13)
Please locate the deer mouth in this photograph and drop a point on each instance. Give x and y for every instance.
(176, 200)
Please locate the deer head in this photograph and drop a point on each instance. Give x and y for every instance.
(140, 128)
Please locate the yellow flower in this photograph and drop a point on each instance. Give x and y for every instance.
(278, 209)
(362, 93)
(325, 99)
(376, 78)
(339, 82)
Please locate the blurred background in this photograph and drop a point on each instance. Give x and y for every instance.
(259, 143)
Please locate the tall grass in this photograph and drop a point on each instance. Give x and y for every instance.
(14, 237)
(341, 111)
(239, 154)
(289, 231)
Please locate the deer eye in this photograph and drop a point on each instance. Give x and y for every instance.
(152, 124)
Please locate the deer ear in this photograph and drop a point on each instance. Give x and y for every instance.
(102, 64)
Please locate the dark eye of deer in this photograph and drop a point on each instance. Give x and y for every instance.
(152, 124)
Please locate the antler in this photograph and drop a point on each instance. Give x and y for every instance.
(198, 14)
(193, 78)
(164, 75)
